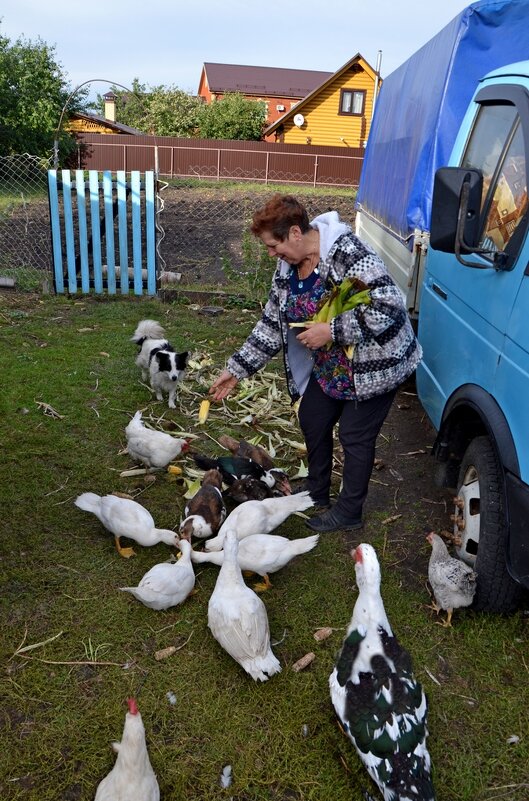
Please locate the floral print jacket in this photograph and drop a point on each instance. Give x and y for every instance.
(386, 350)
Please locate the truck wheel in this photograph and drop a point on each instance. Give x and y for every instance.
(480, 521)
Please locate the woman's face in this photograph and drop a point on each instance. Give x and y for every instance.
(289, 249)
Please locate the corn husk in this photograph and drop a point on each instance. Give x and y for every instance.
(341, 298)
(164, 653)
(192, 488)
(322, 634)
(304, 662)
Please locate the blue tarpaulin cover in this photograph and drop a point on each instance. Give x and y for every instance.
(421, 106)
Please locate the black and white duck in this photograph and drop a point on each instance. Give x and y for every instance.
(380, 704)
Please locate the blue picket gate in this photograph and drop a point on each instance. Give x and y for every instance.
(103, 231)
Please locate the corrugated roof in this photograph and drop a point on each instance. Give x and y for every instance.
(265, 81)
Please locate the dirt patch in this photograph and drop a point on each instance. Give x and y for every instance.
(204, 228)
(403, 486)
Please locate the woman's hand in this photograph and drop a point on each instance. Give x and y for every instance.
(315, 336)
(223, 385)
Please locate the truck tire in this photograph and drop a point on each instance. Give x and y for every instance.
(480, 511)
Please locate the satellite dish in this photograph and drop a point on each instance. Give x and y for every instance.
(299, 119)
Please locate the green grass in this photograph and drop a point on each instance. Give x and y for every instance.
(61, 574)
(264, 188)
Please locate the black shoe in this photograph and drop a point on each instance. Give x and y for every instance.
(333, 521)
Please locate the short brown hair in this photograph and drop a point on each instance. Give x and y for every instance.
(278, 215)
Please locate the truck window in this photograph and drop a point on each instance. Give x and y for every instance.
(496, 147)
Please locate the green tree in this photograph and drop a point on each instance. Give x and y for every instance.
(33, 90)
(158, 110)
(173, 112)
(233, 117)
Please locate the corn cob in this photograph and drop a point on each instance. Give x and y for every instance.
(174, 470)
(203, 411)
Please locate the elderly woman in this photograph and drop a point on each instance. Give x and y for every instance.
(355, 393)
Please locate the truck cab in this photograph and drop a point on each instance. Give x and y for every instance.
(474, 329)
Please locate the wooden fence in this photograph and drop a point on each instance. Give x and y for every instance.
(106, 238)
(213, 159)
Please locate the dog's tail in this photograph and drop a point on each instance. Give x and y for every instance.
(148, 329)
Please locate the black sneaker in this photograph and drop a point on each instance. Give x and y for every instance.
(332, 520)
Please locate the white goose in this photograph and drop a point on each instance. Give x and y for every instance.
(261, 554)
(260, 517)
(167, 584)
(238, 620)
(124, 517)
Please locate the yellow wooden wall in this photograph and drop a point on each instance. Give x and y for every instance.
(86, 126)
(324, 125)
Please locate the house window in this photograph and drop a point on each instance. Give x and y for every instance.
(352, 102)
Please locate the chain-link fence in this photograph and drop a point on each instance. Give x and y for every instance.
(202, 229)
(25, 243)
(206, 229)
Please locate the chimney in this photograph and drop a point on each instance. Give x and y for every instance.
(110, 106)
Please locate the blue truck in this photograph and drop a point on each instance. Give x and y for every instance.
(443, 199)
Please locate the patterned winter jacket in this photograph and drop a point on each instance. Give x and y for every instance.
(386, 349)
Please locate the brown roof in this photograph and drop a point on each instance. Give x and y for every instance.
(266, 81)
(115, 126)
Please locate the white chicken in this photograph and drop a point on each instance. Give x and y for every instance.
(167, 584)
(152, 448)
(260, 517)
(381, 706)
(261, 554)
(452, 581)
(237, 618)
(132, 777)
(124, 517)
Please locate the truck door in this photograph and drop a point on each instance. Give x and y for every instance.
(465, 310)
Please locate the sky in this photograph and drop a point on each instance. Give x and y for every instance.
(167, 43)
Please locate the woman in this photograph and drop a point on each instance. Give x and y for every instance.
(356, 394)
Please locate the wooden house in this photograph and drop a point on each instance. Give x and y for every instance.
(338, 112)
(280, 89)
(96, 124)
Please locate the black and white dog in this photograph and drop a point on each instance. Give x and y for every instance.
(158, 360)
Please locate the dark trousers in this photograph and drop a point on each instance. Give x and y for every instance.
(359, 425)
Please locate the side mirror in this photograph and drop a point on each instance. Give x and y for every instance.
(449, 186)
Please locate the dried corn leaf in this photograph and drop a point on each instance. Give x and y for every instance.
(299, 446)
